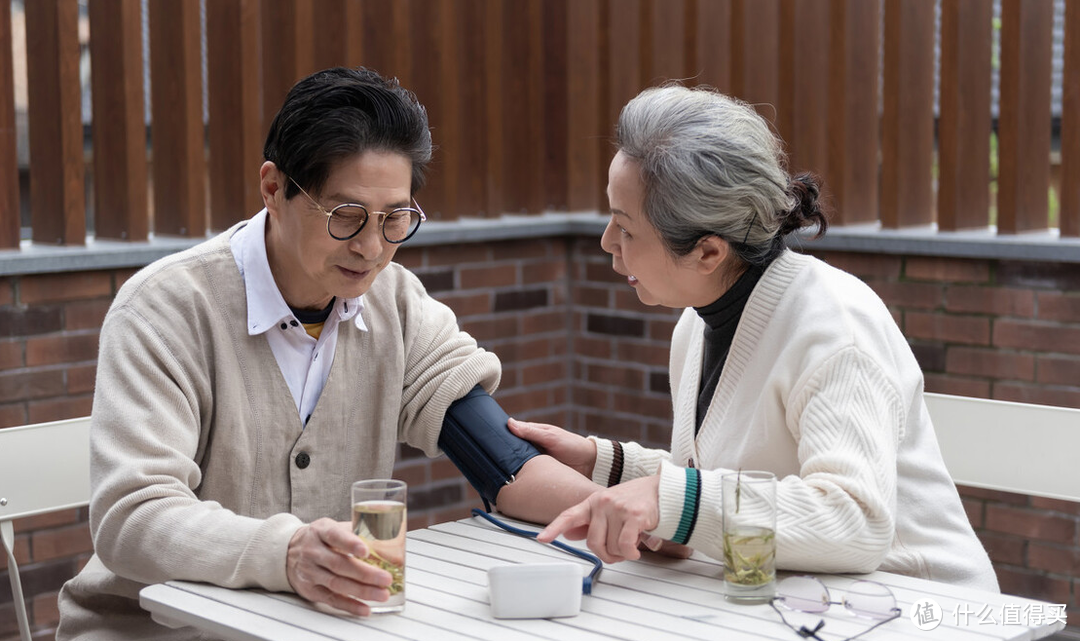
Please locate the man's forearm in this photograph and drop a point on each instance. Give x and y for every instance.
(542, 489)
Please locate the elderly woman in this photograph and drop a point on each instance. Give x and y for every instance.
(779, 362)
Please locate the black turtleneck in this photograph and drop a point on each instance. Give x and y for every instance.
(721, 319)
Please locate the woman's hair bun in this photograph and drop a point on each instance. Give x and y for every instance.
(806, 190)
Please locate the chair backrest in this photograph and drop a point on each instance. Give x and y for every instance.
(43, 468)
(1013, 447)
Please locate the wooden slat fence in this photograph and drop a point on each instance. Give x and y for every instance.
(523, 96)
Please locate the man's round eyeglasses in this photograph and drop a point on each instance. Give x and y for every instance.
(345, 221)
(867, 599)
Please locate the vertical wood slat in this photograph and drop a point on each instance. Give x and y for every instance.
(179, 158)
(384, 36)
(710, 26)
(119, 127)
(493, 105)
(472, 113)
(232, 41)
(554, 78)
(964, 123)
(523, 150)
(583, 119)
(803, 78)
(337, 33)
(10, 214)
(664, 45)
(907, 142)
(430, 30)
(852, 178)
(1069, 221)
(288, 49)
(621, 68)
(755, 54)
(1024, 125)
(57, 168)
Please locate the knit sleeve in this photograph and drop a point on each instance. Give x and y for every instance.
(618, 462)
(839, 513)
(442, 363)
(147, 523)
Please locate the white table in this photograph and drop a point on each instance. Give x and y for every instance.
(653, 599)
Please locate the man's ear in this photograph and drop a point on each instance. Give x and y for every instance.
(710, 253)
(271, 186)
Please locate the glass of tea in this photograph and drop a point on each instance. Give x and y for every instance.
(379, 518)
(749, 531)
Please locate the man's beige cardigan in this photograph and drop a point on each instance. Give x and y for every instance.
(195, 434)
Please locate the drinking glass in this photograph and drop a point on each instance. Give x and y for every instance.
(379, 518)
(749, 535)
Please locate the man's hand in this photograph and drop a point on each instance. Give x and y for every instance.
(324, 566)
(612, 520)
(572, 450)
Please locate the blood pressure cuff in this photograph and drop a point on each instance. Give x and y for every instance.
(475, 438)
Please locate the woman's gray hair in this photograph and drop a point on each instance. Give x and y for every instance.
(711, 166)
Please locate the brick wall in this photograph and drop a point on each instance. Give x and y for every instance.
(579, 350)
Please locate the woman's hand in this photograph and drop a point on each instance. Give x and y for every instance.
(572, 450)
(324, 566)
(611, 521)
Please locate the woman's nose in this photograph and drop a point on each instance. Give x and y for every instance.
(608, 240)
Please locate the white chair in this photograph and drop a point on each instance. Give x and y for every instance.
(1012, 447)
(43, 468)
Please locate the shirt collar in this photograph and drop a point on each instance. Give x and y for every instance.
(266, 308)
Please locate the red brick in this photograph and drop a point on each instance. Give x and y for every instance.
(1003, 548)
(547, 271)
(865, 266)
(492, 276)
(1057, 559)
(643, 405)
(1037, 336)
(22, 550)
(658, 435)
(594, 347)
(585, 296)
(1032, 584)
(46, 610)
(618, 375)
(11, 354)
(974, 510)
(49, 519)
(65, 286)
(950, 270)
(24, 385)
(603, 273)
(491, 329)
(442, 469)
(990, 363)
(85, 314)
(969, 330)
(543, 322)
(661, 330)
(60, 408)
(410, 257)
(519, 402)
(627, 300)
(459, 255)
(519, 249)
(1031, 524)
(1040, 395)
(414, 472)
(1056, 505)
(543, 373)
(1056, 306)
(467, 304)
(122, 276)
(7, 291)
(80, 379)
(1062, 370)
(60, 542)
(64, 348)
(589, 397)
(643, 353)
(995, 496)
(13, 415)
(909, 295)
(997, 301)
(945, 384)
(611, 425)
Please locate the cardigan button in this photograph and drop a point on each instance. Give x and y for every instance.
(303, 460)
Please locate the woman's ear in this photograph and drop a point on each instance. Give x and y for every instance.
(710, 253)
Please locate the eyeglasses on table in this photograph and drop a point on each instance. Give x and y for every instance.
(866, 599)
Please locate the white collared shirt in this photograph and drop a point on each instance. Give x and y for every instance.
(304, 362)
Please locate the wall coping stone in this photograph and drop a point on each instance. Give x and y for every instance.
(1040, 246)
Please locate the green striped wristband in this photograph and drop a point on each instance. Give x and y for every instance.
(691, 500)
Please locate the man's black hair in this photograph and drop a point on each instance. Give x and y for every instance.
(336, 114)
